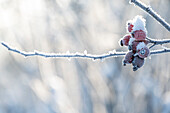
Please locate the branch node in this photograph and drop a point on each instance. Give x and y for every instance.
(148, 9)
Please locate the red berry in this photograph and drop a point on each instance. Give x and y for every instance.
(134, 45)
(137, 45)
(137, 63)
(139, 35)
(128, 58)
(125, 40)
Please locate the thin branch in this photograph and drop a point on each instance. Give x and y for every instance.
(67, 55)
(152, 46)
(160, 41)
(152, 13)
(157, 42)
(75, 55)
(160, 51)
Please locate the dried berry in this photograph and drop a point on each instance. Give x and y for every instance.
(125, 40)
(128, 58)
(139, 35)
(137, 63)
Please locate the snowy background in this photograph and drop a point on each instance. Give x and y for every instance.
(40, 85)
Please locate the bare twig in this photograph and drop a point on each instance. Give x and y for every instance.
(152, 46)
(160, 51)
(160, 41)
(75, 55)
(157, 42)
(67, 55)
(152, 13)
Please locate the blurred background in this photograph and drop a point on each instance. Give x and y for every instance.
(50, 85)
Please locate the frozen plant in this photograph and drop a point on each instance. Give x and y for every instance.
(136, 42)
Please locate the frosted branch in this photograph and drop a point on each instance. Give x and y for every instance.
(158, 42)
(152, 13)
(75, 55)
(160, 51)
(67, 55)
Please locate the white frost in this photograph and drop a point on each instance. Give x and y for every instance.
(141, 45)
(131, 40)
(139, 23)
(85, 52)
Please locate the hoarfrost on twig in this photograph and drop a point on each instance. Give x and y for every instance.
(151, 12)
(75, 55)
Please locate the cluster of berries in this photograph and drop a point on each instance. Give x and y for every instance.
(136, 42)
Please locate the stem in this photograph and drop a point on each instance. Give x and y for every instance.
(67, 55)
(157, 42)
(75, 55)
(152, 13)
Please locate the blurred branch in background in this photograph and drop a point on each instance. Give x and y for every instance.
(150, 11)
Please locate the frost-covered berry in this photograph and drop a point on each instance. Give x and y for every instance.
(128, 58)
(143, 52)
(136, 42)
(135, 45)
(138, 45)
(125, 40)
(139, 35)
(138, 23)
(131, 41)
(137, 63)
